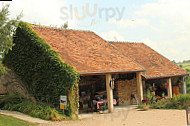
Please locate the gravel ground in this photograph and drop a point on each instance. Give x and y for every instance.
(128, 117)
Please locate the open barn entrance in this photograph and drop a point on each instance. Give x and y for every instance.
(91, 88)
(160, 86)
(93, 91)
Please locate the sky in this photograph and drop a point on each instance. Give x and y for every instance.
(161, 24)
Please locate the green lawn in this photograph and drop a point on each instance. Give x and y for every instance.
(10, 121)
(184, 65)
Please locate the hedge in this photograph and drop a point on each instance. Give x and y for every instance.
(41, 69)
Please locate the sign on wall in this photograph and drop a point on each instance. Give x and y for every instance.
(63, 102)
(188, 115)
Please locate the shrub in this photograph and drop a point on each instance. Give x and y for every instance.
(143, 106)
(15, 102)
(177, 102)
(41, 69)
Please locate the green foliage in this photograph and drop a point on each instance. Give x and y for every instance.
(10, 99)
(188, 82)
(7, 29)
(10, 121)
(185, 65)
(188, 85)
(41, 69)
(177, 102)
(74, 101)
(143, 105)
(2, 69)
(188, 70)
(15, 102)
(149, 97)
(65, 26)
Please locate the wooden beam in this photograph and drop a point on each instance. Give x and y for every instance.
(169, 81)
(184, 85)
(109, 93)
(139, 87)
(144, 87)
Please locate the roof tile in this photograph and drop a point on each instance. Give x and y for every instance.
(86, 51)
(155, 64)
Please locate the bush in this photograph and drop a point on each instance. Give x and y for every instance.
(188, 82)
(143, 106)
(177, 102)
(41, 69)
(15, 102)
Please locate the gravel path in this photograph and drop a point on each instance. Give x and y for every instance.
(129, 117)
(21, 116)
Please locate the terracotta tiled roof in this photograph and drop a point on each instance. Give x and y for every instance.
(86, 51)
(155, 64)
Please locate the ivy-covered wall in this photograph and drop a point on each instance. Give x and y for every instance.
(41, 69)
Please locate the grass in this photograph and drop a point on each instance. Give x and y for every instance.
(184, 65)
(10, 121)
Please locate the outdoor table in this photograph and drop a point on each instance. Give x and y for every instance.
(100, 102)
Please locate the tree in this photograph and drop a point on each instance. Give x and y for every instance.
(65, 26)
(7, 29)
(174, 61)
(181, 66)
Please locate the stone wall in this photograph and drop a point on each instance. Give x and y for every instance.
(10, 84)
(3, 89)
(124, 89)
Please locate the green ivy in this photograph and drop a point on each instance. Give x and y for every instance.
(40, 68)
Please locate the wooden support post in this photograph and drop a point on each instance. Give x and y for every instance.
(184, 85)
(139, 87)
(109, 93)
(169, 81)
(144, 88)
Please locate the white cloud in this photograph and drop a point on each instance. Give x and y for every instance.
(172, 21)
(169, 49)
(150, 43)
(175, 11)
(182, 35)
(112, 36)
(45, 12)
(123, 23)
